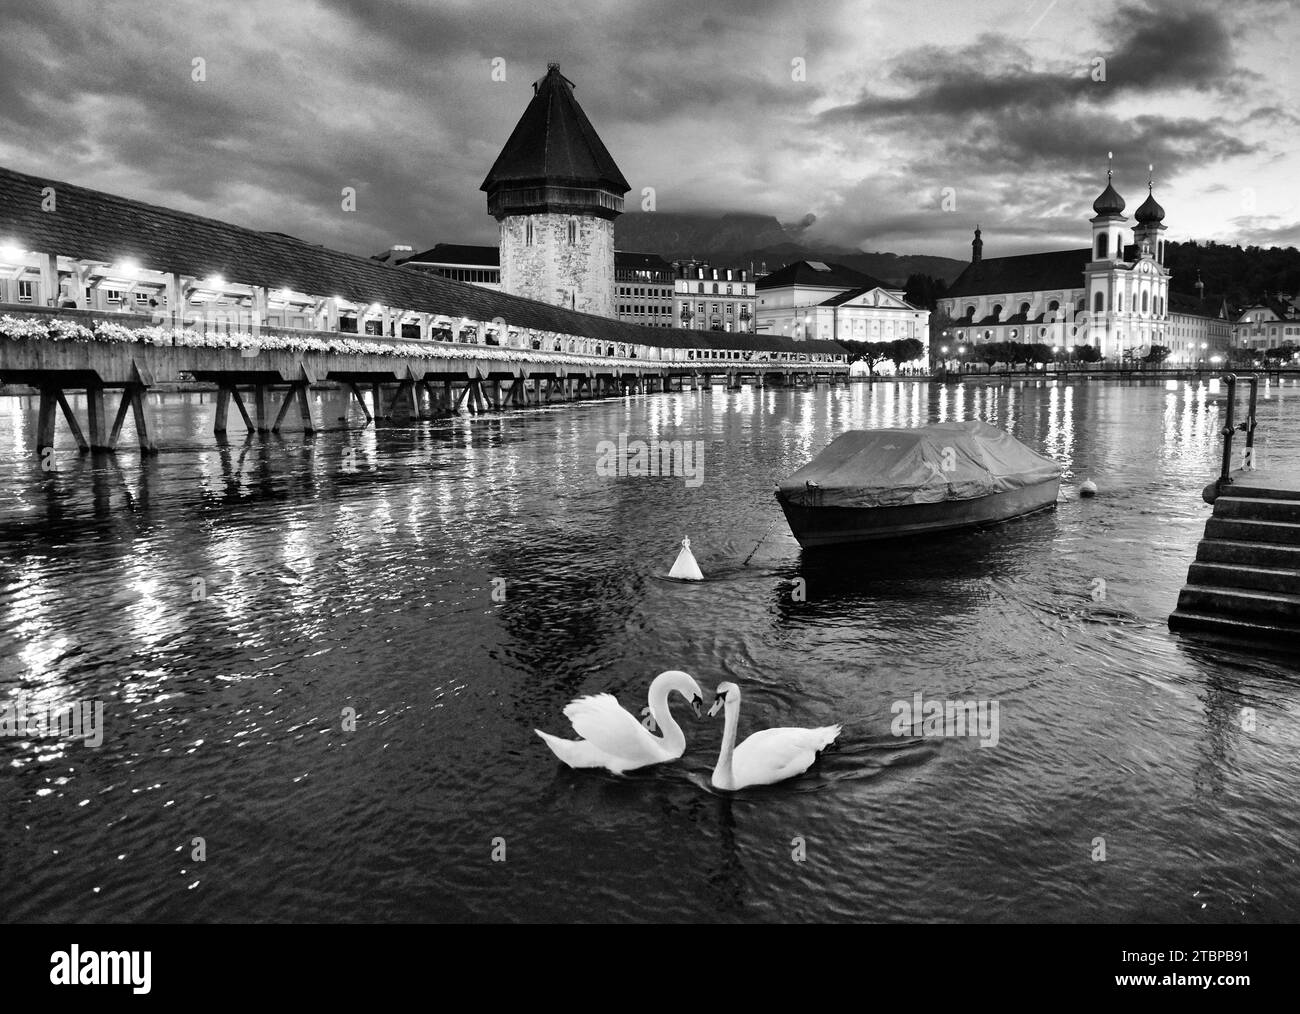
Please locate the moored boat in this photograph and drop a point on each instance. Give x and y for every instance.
(880, 484)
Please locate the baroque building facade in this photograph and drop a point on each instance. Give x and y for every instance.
(1112, 295)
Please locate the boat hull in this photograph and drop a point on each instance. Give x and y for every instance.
(831, 526)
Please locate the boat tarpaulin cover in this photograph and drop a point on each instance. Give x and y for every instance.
(890, 468)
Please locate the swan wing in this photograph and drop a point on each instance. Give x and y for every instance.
(577, 753)
(774, 755)
(614, 730)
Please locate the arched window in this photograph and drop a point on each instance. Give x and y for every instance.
(970, 312)
(1119, 303)
(1053, 306)
(997, 311)
(701, 290)
(528, 234)
(573, 231)
(1099, 302)
(1081, 306)
(1024, 308)
(1144, 300)
(1103, 245)
(715, 288)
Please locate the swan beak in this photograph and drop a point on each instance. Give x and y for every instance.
(717, 706)
(697, 705)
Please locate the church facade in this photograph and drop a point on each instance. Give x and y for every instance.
(1112, 295)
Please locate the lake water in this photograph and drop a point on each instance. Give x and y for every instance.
(358, 571)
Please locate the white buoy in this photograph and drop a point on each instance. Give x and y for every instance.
(1087, 488)
(685, 568)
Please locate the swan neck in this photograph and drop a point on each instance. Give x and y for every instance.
(722, 773)
(674, 740)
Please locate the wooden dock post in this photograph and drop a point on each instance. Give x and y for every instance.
(259, 404)
(98, 421)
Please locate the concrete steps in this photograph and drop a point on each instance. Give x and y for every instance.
(1245, 581)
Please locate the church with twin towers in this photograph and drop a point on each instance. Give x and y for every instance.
(1112, 294)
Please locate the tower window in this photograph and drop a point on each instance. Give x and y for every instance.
(1103, 246)
(1119, 303)
(1099, 302)
(1144, 301)
(573, 232)
(528, 234)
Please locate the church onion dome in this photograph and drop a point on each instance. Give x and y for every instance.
(1109, 203)
(1149, 210)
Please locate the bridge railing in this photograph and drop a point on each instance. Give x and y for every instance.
(157, 329)
(1231, 426)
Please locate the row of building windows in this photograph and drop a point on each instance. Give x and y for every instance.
(701, 291)
(1099, 303)
(471, 274)
(627, 290)
(644, 309)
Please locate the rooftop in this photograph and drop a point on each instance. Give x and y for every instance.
(554, 143)
(819, 273)
(1057, 269)
(458, 253)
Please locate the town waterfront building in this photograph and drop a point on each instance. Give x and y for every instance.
(476, 265)
(556, 191)
(707, 298)
(644, 284)
(1112, 295)
(1199, 332)
(1268, 324)
(813, 299)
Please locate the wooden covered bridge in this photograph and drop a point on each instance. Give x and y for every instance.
(101, 293)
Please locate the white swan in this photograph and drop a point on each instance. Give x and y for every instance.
(769, 756)
(613, 739)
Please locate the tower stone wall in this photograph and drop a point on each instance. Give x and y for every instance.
(578, 275)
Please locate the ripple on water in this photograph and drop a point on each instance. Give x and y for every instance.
(346, 712)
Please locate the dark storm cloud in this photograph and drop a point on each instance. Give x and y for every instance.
(982, 114)
(1146, 48)
(305, 97)
(663, 59)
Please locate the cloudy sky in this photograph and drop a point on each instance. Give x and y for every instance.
(991, 104)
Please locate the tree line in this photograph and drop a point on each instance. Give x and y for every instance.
(899, 351)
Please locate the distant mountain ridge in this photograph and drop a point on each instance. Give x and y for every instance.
(738, 239)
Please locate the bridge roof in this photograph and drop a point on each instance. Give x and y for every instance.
(89, 225)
